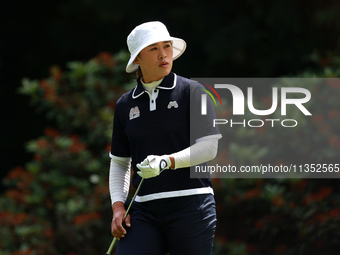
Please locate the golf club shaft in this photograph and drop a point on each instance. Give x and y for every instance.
(125, 215)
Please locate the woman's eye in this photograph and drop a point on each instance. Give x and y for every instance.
(154, 48)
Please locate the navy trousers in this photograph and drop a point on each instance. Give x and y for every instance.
(179, 226)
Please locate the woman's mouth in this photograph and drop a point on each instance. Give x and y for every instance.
(164, 64)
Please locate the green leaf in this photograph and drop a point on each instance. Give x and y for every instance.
(28, 87)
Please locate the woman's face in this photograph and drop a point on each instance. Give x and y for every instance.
(155, 61)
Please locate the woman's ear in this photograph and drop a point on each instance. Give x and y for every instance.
(136, 61)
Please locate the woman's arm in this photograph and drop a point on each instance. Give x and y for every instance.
(205, 149)
(119, 178)
(119, 183)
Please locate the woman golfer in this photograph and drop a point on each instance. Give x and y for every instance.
(172, 212)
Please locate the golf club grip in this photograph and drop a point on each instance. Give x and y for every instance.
(126, 213)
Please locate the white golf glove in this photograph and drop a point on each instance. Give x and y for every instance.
(153, 165)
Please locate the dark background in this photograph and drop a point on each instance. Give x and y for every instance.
(225, 39)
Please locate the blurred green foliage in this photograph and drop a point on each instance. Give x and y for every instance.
(59, 202)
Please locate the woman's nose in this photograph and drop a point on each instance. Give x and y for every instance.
(162, 54)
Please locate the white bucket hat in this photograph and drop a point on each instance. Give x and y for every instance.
(149, 33)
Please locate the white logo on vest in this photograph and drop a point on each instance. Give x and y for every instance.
(172, 104)
(134, 113)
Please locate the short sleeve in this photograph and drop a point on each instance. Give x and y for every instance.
(201, 125)
(120, 144)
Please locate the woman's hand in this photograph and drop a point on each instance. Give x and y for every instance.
(117, 228)
(153, 165)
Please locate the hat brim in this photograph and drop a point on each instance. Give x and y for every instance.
(178, 45)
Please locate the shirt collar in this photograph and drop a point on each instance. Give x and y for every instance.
(169, 82)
